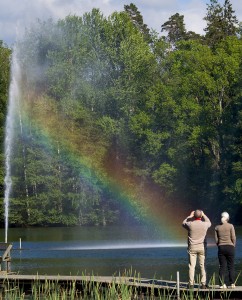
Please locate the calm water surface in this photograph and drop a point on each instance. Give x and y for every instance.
(107, 251)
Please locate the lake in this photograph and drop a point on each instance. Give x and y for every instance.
(107, 251)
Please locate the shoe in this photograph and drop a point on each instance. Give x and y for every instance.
(204, 286)
(190, 286)
(224, 286)
(232, 286)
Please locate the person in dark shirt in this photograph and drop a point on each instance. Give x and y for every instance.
(226, 240)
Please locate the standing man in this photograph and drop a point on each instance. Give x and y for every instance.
(197, 225)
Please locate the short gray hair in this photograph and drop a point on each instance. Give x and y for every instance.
(224, 217)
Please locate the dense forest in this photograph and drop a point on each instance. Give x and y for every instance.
(109, 109)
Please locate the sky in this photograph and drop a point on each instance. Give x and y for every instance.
(15, 15)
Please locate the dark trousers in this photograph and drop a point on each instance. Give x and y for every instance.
(226, 261)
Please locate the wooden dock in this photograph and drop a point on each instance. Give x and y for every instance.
(142, 285)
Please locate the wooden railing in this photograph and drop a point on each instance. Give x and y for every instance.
(5, 258)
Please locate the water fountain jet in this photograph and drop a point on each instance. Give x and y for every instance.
(8, 143)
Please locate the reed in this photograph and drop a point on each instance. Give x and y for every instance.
(89, 289)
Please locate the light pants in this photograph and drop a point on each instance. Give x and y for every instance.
(193, 254)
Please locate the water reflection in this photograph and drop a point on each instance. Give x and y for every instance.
(106, 252)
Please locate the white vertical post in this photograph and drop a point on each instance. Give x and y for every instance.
(178, 284)
(20, 243)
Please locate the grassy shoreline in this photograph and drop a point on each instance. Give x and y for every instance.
(89, 288)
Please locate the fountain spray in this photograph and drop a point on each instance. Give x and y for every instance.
(9, 131)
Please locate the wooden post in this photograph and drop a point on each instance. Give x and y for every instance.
(5, 258)
(178, 285)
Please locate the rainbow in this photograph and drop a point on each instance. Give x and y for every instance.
(88, 156)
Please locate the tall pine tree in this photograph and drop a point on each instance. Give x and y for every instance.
(137, 20)
(221, 22)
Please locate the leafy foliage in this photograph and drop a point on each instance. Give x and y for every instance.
(221, 22)
(110, 108)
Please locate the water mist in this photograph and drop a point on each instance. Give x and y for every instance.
(9, 132)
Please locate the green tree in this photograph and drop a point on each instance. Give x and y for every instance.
(221, 22)
(86, 65)
(186, 128)
(137, 20)
(102, 107)
(175, 28)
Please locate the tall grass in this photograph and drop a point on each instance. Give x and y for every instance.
(91, 289)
